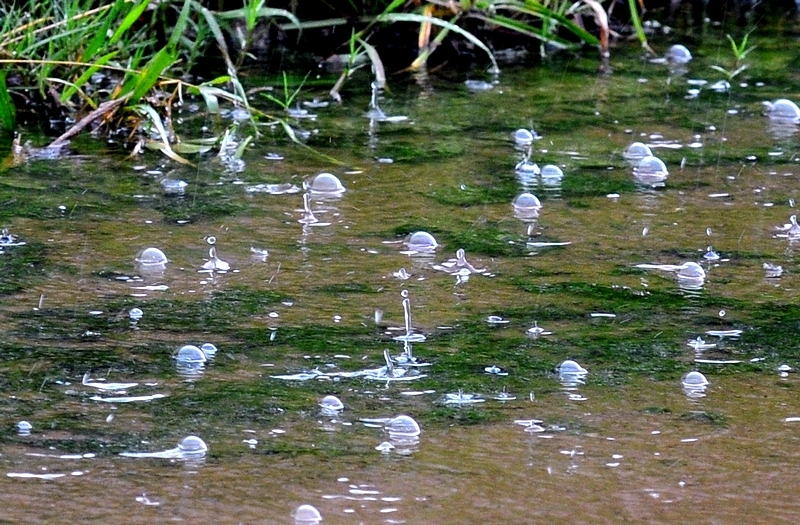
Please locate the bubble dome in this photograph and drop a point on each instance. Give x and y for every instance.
(152, 257)
(421, 241)
(403, 426)
(637, 151)
(193, 445)
(694, 379)
(326, 184)
(191, 354)
(678, 54)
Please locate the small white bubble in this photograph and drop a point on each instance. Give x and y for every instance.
(722, 313)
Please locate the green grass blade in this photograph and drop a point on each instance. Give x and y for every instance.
(180, 25)
(139, 85)
(132, 16)
(84, 78)
(100, 37)
(637, 24)
(8, 113)
(148, 111)
(529, 30)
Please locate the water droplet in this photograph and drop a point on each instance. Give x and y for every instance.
(694, 379)
(708, 232)
(722, 313)
(211, 240)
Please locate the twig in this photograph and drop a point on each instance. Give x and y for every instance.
(76, 128)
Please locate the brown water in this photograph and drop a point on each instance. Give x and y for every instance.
(635, 450)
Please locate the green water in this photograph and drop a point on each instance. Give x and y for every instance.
(313, 300)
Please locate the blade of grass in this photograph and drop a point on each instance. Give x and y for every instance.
(148, 111)
(84, 78)
(8, 117)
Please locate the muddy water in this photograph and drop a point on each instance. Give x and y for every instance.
(634, 449)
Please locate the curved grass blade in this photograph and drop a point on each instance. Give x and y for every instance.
(412, 17)
(132, 16)
(84, 78)
(264, 12)
(148, 111)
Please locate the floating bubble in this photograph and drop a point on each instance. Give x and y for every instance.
(306, 515)
(636, 152)
(24, 428)
(720, 86)
(526, 166)
(691, 270)
(711, 255)
(694, 378)
(495, 370)
(191, 354)
(571, 367)
(524, 137)
(551, 171)
(331, 403)
(678, 54)
(478, 85)
(209, 350)
(152, 258)
(650, 170)
(193, 445)
(783, 109)
(421, 242)
(326, 184)
(403, 427)
(772, 271)
(526, 206)
(136, 314)
(174, 187)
